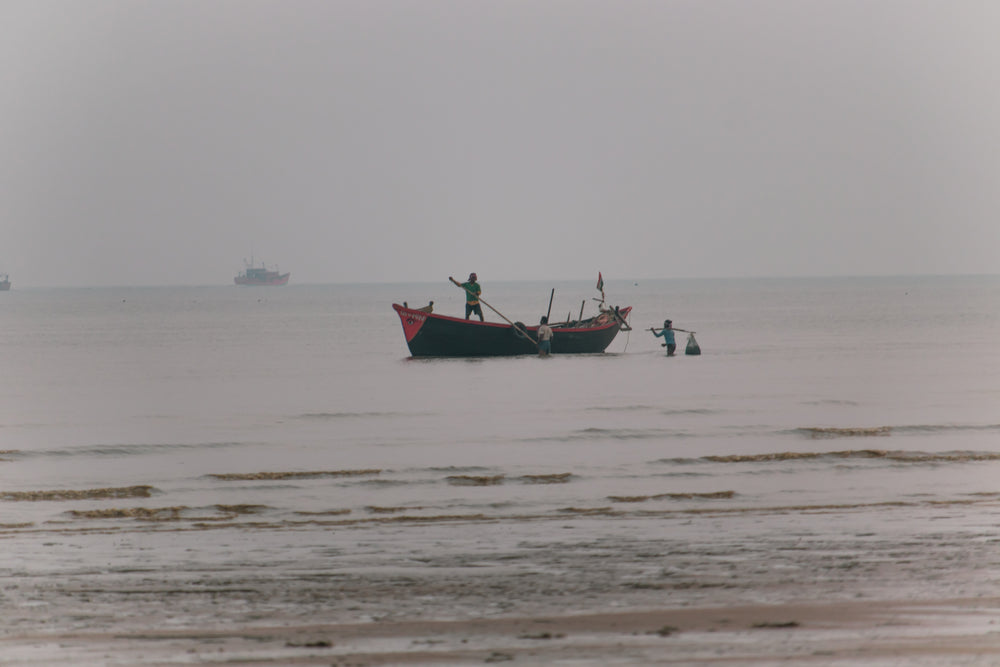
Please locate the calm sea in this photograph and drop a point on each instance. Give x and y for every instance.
(206, 434)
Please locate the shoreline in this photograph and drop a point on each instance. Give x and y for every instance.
(597, 592)
(940, 631)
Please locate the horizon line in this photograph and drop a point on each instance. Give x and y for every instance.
(521, 280)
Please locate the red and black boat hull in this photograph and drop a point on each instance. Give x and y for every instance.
(430, 335)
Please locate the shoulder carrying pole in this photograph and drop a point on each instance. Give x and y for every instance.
(673, 328)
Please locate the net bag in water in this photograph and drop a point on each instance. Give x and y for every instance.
(692, 346)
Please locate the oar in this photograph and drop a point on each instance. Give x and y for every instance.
(672, 328)
(550, 304)
(483, 301)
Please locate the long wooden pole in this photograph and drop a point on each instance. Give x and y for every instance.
(482, 300)
(673, 328)
(547, 314)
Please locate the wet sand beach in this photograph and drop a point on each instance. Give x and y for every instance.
(591, 590)
(882, 632)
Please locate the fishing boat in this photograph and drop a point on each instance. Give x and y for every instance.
(261, 276)
(431, 335)
(4, 283)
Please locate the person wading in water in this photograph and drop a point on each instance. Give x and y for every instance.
(668, 337)
(544, 337)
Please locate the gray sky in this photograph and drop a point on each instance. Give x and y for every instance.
(158, 142)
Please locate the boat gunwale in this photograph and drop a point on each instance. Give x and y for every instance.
(612, 322)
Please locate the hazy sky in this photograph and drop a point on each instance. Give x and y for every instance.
(161, 142)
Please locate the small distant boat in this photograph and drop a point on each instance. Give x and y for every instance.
(261, 276)
(4, 283)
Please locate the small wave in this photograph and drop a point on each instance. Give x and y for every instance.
(354, 415)
(475, 480)
(945, 428)
(897, 456)
(141, 513)
(590, 511)
(375, 509)
(818, 432)
(713, 495)
(944, 457)
(339, 512)
(408, 519)
(680, 460)
(558, 478)
(597, 433)
(832, 401)
(164, 514)
(86, 494)
(125, 449)
(438, 518)
(820, 508)
(857, 432)
(293, 475)
(617, 433)
(382, 483)
(493, 480)
(791, 456)
(241, 509)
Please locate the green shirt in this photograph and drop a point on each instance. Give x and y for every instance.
(472, 292)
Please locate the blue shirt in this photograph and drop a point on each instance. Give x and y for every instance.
(668, 336)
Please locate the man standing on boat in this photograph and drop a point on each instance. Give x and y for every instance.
(472, 292)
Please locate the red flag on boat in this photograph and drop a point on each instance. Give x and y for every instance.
(600, 282)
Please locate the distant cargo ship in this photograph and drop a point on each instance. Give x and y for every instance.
(4, 283)
(261, 276)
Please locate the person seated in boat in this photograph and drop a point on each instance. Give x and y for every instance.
(472, 292)
(544, 337)
(667, 333)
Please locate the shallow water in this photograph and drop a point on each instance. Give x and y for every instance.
(236, 455)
